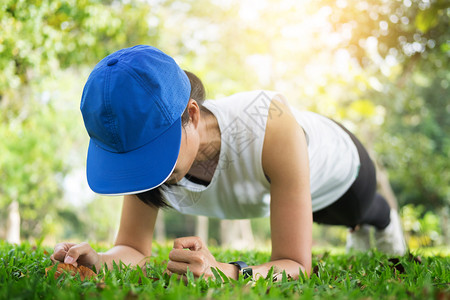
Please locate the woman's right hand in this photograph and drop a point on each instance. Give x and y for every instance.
(76, 254)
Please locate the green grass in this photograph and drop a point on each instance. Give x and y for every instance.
(336, 276)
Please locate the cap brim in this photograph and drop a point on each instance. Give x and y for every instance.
(136, 171)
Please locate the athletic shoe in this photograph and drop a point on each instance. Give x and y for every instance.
(359, 239)
(391, 240)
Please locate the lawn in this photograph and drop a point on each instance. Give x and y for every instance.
(336, 276)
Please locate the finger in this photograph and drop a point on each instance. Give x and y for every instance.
(59, 255)
(177, 267)
(60, 251)
(75, 252)
(56, 260)
(191, 242)
(63, 246)
(181, 255)
(181, 268)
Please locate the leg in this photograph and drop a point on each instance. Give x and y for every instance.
(378, 213)
(360, 204)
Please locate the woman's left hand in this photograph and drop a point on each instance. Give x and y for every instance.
(192, 253)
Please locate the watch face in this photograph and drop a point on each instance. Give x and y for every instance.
(247, 272)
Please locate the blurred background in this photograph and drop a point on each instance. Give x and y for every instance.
(380, 67)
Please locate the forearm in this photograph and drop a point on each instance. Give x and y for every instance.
(291, 267)
(126, 254)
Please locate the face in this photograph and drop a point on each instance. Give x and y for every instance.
(188, 152)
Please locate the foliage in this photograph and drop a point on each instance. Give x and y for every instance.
(380, 67)
(32, 165)
(38, 38)
(415, 145)
(361, 276)
(422, 229)
(104, 228)
(405, 46)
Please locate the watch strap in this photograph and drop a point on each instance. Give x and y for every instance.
(244, 269)
(239, 264)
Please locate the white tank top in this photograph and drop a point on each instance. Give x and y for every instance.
(239, 188)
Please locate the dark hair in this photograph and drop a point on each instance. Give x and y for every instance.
(154, 196)
(197, 93)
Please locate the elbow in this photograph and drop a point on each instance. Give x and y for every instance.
(305, 264)
(295, 267)
(307, 270)
(136, 250)
(304, 267)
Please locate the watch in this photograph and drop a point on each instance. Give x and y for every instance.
(244, 269)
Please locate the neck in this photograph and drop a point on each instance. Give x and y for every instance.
(207, 157)
(209, 148)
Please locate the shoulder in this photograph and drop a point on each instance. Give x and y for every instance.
(255, 105)
(280, 117)
(248, 97)
(284, 140)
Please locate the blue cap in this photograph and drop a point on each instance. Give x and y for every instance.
(132, 105)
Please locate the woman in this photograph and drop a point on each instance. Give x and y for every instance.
(154, 140)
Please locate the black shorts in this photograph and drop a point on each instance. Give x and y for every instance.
(360, 204)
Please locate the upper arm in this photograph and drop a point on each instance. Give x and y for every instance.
(285, 161)
(136, 225)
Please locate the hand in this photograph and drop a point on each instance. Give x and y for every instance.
(197, 258)
(76, 254)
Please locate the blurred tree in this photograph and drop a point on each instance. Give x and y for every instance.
(404, 49)
(380, 67)
(405, 45)
(38, 38)
(101, 217)
(31, 164)
(377, 66)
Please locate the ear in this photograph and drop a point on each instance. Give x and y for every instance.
(194, 112)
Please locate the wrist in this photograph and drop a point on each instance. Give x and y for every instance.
(243, 268)
(230, 270)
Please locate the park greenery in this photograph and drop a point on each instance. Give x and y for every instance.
(368, 275)
(379, 67)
